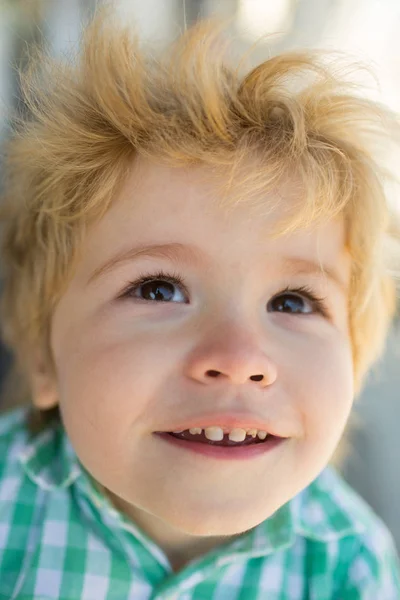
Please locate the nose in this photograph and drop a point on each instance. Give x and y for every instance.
(232, 355)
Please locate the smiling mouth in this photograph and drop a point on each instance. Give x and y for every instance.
(202, 439)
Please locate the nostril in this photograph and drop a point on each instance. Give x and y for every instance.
(257, 377)
(212, 373)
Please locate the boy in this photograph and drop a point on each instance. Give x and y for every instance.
(195, 285)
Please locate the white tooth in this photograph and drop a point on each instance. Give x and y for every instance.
(195, 430)
(262, 435)
(237, 435)
(252, 432)
(215, 434)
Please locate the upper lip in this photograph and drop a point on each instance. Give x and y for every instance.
(226, 421)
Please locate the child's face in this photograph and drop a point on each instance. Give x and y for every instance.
(128, 367)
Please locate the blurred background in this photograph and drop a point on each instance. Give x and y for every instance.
(368, 30)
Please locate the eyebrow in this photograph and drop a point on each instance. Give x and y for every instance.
(300, 266)
(188, 254)
(176, 252)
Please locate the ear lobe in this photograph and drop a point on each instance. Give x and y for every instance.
(44, 385)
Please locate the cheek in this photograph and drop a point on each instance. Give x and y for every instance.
(325, 389)
(110, 378)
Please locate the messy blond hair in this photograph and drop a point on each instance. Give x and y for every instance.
(88, 119)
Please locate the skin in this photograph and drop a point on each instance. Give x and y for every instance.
(126, 367)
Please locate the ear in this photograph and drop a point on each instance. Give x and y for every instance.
(43, 383)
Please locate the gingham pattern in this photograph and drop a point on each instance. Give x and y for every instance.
(61, 539)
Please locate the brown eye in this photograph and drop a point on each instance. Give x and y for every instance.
(157, 287)
(157, 290)
(289, 303)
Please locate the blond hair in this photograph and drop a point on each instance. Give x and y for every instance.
(90, 117)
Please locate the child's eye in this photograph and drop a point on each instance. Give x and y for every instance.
(159, 287)
(300, 300)
(163, 287)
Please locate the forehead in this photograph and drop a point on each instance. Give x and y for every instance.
(165, 205)
(156, 195)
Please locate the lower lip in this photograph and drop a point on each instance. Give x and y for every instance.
(223, 452)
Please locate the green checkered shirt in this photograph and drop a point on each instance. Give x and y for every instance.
(60, 539)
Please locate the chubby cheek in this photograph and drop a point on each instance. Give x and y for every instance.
(108, 383)
(325, 393)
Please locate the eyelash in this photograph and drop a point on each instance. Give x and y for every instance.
(143, 278)
(176, 279)
(304, 290)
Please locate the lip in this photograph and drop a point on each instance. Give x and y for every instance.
(222, 452)
(226, 421)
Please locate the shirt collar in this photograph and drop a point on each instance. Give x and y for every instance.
(320, 512)
(49, 459)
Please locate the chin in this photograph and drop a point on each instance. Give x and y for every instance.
(216, 524)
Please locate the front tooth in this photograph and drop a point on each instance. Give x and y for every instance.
(262, 435)
(237, 435)
(252, 432)
(215, 434)
(195, 430)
